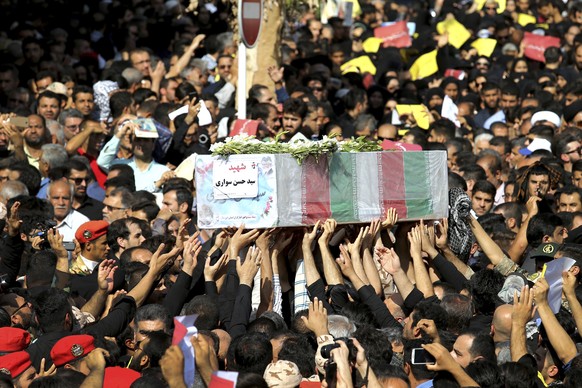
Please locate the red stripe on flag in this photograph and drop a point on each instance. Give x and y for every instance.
(179, 332)
(315, 190)
(392, 184)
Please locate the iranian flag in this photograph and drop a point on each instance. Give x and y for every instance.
(352, 187)
(184, 330)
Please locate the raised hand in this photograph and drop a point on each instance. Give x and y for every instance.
(239, 240)
(354, 248)
(442, 235)
(159, 262)
(427, 243)
(172, 365)
(523, 308)
(247, 270)
(105, 273)
(192, 248)
(328, 231)
(210, 271)
(389, 260)
(373, 230)
(282, 240)
(316, 320)
(415, 240)
(391, 218)
(265, 238)
(55, 240)
(540, 291)
(276, 73)
(309, 236)
(345, 262)
(13, 221)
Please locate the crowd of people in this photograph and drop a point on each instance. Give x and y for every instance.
(100, 247)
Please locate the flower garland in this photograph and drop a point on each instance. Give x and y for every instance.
(300, 150)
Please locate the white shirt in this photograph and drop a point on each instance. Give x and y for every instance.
(89, 263)
(70, 224)
(500, 195)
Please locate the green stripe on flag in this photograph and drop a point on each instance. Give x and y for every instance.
(417, 182)
(342, 187)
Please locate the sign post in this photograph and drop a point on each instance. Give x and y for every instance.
(250, 16)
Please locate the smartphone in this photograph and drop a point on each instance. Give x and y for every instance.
(19, 122)
(422, 357)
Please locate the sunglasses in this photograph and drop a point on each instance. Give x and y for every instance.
(78, 181)
(482, 64)
(317, 89)
(577, 151)
(387, 138)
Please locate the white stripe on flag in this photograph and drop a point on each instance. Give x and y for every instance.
(187, 323)
(369, 204)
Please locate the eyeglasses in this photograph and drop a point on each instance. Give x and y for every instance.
(224, 66)
(78, 181)
(577, 150)
(482, 64)
(3, 178)
(491, 8)
(357, 38)
(317, 89)
(25, 304)
(111, 208)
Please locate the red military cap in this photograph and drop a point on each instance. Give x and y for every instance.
(13, 339)
(71, 348)
(14, 364)
(91, 230)
(118, 377)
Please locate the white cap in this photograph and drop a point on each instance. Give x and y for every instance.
(536, 144)
(546, 115)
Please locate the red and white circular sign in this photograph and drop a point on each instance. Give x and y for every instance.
(250, 17)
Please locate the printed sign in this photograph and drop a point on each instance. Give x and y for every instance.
(236, 178)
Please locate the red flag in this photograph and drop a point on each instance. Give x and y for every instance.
(222, 379)
(396, 35)
(399, 146)
(535, 45)
(458, 74)
(245, 127)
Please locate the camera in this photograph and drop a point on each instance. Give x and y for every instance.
(42, 229)
(353, 351)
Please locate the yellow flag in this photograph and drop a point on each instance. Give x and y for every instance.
(458, 34)
(361, 64)
(372, 45)
(418, 111)
(524, 19)
(484, 46)
(424, 66)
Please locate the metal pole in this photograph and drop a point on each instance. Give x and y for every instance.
(241, 89)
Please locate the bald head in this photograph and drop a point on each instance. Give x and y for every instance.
(387, 131)
(502, 323)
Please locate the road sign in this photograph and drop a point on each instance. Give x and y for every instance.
(250, 16)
